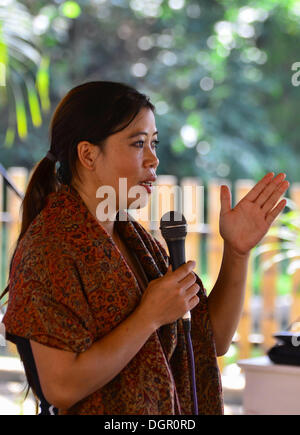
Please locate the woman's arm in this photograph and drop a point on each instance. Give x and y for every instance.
(241, 229)
(225, 301)
(68, 377)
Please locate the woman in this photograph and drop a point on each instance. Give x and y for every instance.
(93, 294)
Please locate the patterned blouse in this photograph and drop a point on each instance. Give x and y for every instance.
(70, 286)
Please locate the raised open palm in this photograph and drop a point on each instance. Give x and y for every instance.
(246, 224)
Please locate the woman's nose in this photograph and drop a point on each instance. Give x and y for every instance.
(156, 162)
(151, 159)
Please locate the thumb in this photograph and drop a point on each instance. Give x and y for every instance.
(225, 197)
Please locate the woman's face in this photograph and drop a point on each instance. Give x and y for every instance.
(130, 155)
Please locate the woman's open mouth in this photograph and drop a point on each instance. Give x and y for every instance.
(147, 185)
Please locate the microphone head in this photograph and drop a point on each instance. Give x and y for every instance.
(173, 226)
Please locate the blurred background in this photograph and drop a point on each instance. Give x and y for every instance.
(224, 78)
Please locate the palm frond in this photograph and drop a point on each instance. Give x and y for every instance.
(20, 61)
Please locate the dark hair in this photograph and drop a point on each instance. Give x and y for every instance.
(92, 111)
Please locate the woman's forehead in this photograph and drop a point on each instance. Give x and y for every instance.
(144, 120)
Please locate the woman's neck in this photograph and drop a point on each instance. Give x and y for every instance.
(92, 203)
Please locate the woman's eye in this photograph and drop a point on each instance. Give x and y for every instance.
(140, 143)
(156, 142)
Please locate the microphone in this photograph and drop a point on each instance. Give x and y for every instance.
(174, 230)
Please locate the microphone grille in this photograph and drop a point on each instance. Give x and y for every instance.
(173, 225)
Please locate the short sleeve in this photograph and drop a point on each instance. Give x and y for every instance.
(47, 303)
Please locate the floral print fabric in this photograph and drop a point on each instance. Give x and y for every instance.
(70, 286)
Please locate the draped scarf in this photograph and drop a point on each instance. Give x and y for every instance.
(70, 285)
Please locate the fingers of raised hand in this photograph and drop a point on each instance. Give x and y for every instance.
(272, 200)
(270, 189)
(259, 187)
(271, 216)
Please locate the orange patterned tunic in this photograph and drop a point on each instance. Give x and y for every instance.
(70, 286)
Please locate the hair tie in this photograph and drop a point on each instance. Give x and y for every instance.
(51, 157)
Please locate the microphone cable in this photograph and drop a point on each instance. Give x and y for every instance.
(187, 333)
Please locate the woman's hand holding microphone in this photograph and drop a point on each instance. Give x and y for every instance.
(169, 297)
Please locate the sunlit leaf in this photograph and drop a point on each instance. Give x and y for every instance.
(9, 137)
(22, 59)
(21, 119)
(42, 83)
(3, 59)
(33, 104)
(71, 9)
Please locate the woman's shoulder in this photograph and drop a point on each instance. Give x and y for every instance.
(62, 223)
(43, 243)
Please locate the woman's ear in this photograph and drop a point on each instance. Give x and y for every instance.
(87, 153)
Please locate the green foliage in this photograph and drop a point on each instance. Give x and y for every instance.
(284, 284)
(19, 59)
(231, 357)
(222, 68)
(71, 9)
(42, 83)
